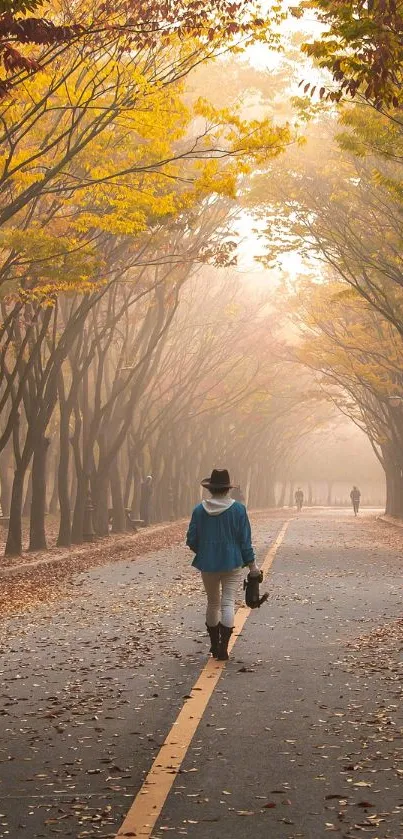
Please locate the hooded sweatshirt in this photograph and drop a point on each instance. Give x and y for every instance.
(215, 506)
(220, 535)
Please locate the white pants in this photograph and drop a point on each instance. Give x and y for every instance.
(221, 588)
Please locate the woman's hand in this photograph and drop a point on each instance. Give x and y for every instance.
(254, 570)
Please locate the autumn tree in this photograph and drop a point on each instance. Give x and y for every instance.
(362, 47)
(336, 205)
(341, 210)
(357, 356)
(35, 34)
(56, 231)
(118, 184)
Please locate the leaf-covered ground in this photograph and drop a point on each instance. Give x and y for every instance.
(40, 576)
(44, 576)
(302, 736)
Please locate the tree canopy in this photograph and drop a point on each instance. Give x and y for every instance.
(362, 47)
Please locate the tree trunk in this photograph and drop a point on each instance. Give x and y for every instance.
(14, 537)
(329, 493)
(55, 494)
(119, 515)
(135, 502)
(78, 514)
(128, 485)
(389, 490)
(291, 495)
(26, 509)
(253, 487)
(101, 515)
(310, 495)
(5, 482)
(37, 534)
(247, 488)
(72, 484)
(64, 537)
(394, 491)
(270, 496)
(281, 498)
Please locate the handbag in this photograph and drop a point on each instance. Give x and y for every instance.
(252, 594)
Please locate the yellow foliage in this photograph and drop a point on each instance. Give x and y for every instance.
(101, 146)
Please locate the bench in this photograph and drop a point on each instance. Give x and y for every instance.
(134, 524)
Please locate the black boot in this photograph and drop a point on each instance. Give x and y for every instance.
(214, 631)
(225, 635)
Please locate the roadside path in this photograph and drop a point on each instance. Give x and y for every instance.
(301, 736)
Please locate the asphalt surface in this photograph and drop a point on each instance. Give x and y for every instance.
(302, 737)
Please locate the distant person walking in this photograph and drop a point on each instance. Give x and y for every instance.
(355, 496)
(299, 499)
(146, 492)
(219, 535)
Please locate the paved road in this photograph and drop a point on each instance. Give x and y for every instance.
(303, 734)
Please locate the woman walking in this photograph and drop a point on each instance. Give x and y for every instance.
(219, 534)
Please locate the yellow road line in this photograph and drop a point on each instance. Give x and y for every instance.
(149, 801)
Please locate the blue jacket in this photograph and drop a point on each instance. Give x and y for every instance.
(221, 542)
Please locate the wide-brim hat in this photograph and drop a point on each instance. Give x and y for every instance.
(219, 479)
